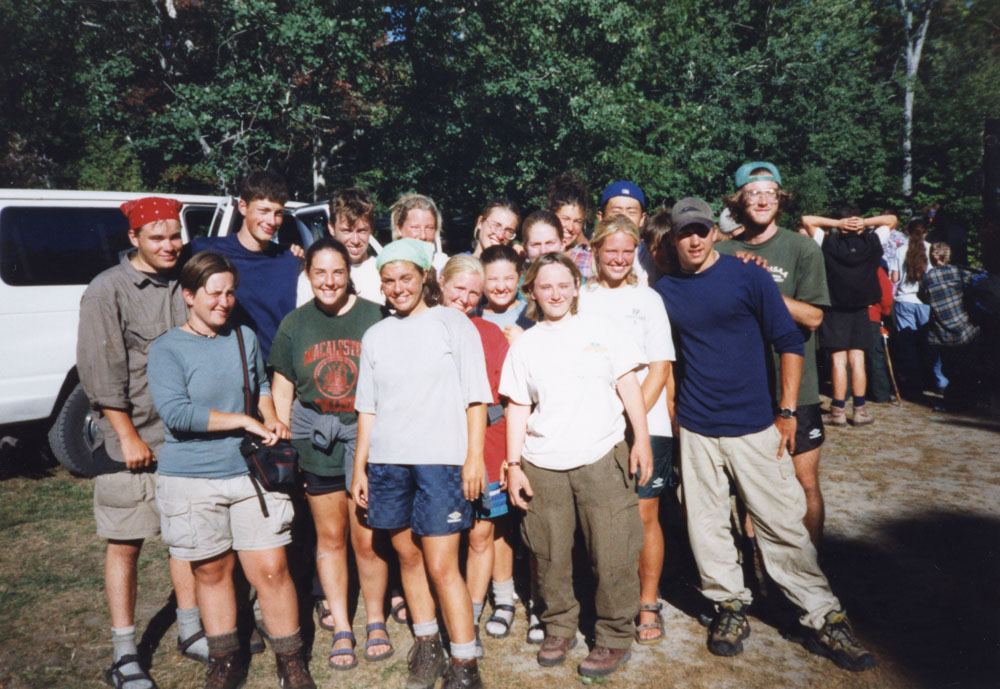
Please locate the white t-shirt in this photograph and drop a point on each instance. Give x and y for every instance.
(367, 283)
(638, 311)
(907, 291)
(568, 370)
(418, 375)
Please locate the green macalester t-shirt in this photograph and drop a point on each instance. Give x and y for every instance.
(796, 264)
(319, 354)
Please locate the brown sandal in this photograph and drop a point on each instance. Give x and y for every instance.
(656, 624)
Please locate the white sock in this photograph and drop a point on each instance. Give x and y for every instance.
(123, 639)
(503, 594)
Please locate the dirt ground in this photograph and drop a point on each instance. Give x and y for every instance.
(912, 548)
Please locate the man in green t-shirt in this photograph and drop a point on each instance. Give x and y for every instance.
(796, 264)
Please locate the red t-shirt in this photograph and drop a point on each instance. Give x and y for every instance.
(884, 306)
(495, 348)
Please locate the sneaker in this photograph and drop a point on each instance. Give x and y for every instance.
(862, 417)
(838, 416)
(836, 641)
(293, 671)
(462, 674)
(226, 672)
(729, 628)
(426, 662)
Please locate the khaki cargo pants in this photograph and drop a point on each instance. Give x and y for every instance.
(776, 505)
(602, 497)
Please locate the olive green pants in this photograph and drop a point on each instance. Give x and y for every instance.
(601, 497)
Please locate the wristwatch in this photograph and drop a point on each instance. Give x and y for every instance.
(786, 413)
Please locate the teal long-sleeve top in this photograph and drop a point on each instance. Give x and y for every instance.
(190, 375)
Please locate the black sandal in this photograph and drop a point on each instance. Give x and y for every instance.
(184, 644)
(501, 620)
(117, 679)
(322, 610)
(396, 609)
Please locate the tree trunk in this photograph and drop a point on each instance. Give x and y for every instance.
(915, 36)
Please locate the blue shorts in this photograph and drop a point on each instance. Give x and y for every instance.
(498, 503)
(663, 461)
(427, 498)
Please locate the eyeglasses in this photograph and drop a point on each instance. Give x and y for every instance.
(496, 227)
(763, 194)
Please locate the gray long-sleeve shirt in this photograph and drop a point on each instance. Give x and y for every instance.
(122, 311)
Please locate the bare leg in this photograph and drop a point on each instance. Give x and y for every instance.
(503, 554)
(650, 561)
(807, 472)
(441, 559)
(120, 579)
(216, 593)
(267, 570)
(330, 517)
(414, 577)
(182, 577)
(479, 566)
(859, 381)
(372, 571)
(838, 374)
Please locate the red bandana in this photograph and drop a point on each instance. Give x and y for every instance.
(149, 209)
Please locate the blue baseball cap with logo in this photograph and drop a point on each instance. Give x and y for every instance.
(623, 188)
(743, 174)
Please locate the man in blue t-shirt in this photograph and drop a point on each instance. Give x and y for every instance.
(722, 314)
(268, 272)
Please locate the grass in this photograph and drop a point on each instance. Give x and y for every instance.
(912, 548)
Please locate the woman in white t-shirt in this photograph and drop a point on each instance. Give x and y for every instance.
(567, 380)
(911, 315)
(618, 295)
(417, 216)
(421, 400)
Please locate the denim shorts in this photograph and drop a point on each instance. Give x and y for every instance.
(427, 498)
(663, 461)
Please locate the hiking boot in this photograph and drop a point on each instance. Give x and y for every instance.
(554, 649)
(862, 417)
(836, 641)
(838, 416)
(226, 672)
(602, 661)
(729, 628)
(293, 671)
(426, 662)
(462, 674)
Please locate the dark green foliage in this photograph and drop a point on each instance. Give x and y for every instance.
(464, 100)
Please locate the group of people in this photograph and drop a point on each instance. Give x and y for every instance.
(544, 382)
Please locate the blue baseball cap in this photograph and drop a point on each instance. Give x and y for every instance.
(623, 188)
(743, 174)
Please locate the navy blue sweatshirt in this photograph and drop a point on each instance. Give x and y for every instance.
(268, 279)
(721, 319)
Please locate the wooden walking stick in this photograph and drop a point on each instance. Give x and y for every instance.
(888, 360)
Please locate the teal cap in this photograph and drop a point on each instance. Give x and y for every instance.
(417, 252)
(743, 174)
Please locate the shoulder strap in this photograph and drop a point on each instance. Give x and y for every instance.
(246, 374)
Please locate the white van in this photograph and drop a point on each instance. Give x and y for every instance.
(52, 244)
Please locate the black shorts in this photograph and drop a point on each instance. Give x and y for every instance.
(323, 485)
(845, 330)
(809, 428)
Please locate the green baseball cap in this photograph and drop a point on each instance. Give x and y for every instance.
(743, 174)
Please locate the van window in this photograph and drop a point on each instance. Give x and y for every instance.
(59, 246)
(198, 220)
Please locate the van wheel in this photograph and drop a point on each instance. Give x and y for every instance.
(73, 434)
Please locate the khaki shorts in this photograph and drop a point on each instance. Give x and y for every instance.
(125, 506)
(204, 517)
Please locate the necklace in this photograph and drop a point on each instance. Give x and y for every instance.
(190, 327)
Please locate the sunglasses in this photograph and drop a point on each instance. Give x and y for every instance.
(689, 230)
